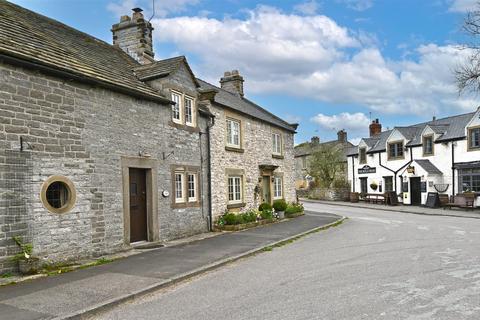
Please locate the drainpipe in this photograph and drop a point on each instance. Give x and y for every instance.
(453, 168)
(210, 214)
(395, 172)
(353, 173)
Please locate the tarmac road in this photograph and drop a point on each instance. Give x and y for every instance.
(376, 265)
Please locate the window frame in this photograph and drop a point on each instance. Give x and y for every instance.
(234, 190)
(385, 184)
(470, 138)
(185, 172)
(180, 107)
(277, 143)
(229, 133)
(192, 108)
(362, 155)
(277, 196)
(469, 174)
(424, 145)
(396, 156)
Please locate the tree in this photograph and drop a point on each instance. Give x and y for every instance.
(326, 163)
(467, 75)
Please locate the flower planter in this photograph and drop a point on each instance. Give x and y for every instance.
(281, 214)
(238, 227)
(28, 266)
(294, 215)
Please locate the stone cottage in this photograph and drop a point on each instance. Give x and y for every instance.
(252, 158)
(102, 147)
(304, 153)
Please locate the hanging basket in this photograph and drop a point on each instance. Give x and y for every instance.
(441, 187)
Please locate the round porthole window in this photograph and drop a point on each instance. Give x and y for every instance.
(58, 194)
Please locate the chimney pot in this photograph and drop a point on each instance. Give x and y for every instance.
(375, 128)
(315, 140)
(232, 82)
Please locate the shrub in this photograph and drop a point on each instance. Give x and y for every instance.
(280, 205)
(266, 214)
(264, 206)
(294, 208)
(230, 218)
(250, 216)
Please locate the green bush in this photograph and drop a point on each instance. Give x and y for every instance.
(280, 205)
(250, 216)
(264, 206)
(266, 214)
(294, 208)
(230, 218)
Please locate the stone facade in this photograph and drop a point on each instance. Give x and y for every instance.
(83, 132)
(256, 151)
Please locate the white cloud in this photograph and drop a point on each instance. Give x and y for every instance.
(308, 8)
(358, 5)
(348, 121)
(314, 57)
(162, 8)
(463, 5)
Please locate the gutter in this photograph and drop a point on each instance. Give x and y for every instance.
(395, 172)
(69, 75)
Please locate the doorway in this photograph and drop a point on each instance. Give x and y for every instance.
(138, 205)
(363, 185)
(415, 191)
(266, 190)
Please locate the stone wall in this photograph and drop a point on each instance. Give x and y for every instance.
(257, 136)
(81, 132)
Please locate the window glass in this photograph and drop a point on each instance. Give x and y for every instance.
(176, 107)
(276, 143)
(475, 138)
(277, 187)
(188, 111)
(179, 187)
(233, 133)
(388, 184)
(234, 189)
(57, 194)
(428, 145)
(395, 150)
(192, 181)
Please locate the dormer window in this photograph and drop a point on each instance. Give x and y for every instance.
(395, 150)
(183, 111)
(474, 138)
(363, 155)
(428, 145)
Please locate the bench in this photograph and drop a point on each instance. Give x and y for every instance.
(444, 200)
(461, 201)
(374, 198)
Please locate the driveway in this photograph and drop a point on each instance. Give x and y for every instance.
(377, 265)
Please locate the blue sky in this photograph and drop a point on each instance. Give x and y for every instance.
(328, 65)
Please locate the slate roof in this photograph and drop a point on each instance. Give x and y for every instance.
(31, 37)
(449, 128)
(245, 106)
(162, 68)
(428, 166)
(307, 148)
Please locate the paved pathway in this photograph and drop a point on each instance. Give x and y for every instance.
(81, 290)
(377, 265)
(455, 212)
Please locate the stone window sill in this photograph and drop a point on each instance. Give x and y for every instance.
(278, 156)
(235, 149)
(236, 205)
(183, 127)
(183, 205)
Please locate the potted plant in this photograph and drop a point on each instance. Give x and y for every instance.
(280, 206)
(27, 264)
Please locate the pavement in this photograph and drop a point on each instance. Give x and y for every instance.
(83, 292)
(378, 265)
(454, 212)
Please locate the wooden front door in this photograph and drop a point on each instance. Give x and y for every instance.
(266, 190)
(138, 205)
(363, 185)
(415, 191)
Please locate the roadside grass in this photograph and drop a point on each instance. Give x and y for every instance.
(286, 242)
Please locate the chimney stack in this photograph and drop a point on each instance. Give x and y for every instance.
(375, 128)
(232, 82)
(342, 136)
(315, 140)
(134, 36)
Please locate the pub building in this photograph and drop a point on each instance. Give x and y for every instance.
(439, 156)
